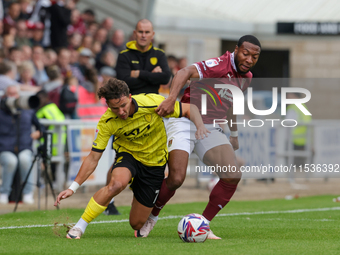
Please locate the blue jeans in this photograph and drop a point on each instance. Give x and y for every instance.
(9, 163)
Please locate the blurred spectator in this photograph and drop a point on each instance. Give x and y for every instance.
(50, 58)
(89, 106)
(21, 36)
(75, 41)
(60, 19)
(173, 64)
(55, 81)
(107, 73)
(182, 62)
(12, 16)
(108, 58)
(25, 9)
(84, 60)
(107, 24)
(26, 73)
(88, 16)
(8, 43)
(41, 14)
(68, 99)
(101, 36)
(96, 49)
(143, 67)
(8, 72)
(92, 28)
(26, 52)
(74, 59)
(15, 55)
(16, 147)
(37, 34)
(86, 42)
(77, 24)
(67, 70)
(38, 61)
(117, 42)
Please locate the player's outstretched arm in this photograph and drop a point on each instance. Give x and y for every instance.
(191, 112)
(87, 168)
(178, 82)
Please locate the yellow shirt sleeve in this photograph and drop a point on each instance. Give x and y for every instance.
(158, 99)
(102, 136)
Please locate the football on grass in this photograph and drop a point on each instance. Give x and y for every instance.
(192, 228)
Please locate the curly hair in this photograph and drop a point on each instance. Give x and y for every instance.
(114, 89)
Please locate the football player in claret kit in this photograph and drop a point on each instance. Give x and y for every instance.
(140, 144)
(216, 150)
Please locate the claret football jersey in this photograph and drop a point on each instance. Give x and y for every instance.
(220, 70)
(142, 134)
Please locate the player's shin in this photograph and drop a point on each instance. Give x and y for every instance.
(92, 211)
(164, 196)
(219, 197)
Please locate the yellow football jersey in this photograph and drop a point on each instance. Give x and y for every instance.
(142, 134)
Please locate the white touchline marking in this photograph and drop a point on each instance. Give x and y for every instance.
(180, 216)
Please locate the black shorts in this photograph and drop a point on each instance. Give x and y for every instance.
(147, 180)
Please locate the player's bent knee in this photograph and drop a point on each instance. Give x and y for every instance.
(175, 182)
(115, 187)
(136, 225)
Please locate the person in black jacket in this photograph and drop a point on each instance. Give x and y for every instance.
(143, 67)
(60, 19)
(16, 147)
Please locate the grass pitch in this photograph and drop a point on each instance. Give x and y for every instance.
(301, 226)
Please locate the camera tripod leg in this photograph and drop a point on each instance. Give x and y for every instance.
(48, 179)
(24, 184)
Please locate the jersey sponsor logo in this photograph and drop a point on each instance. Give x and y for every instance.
(211, 62)
(135, 62)
(148, 117)
(153, 61)
(119, 160)
(135, 132)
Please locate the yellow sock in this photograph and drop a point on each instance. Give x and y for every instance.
(92, 211)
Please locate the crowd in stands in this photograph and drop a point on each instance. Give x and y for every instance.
(53, 46)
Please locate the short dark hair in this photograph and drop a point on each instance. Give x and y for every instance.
(14, 48)
(113, 89)
(6, 66)
(90, 12)
(249, 38)
(53, 72)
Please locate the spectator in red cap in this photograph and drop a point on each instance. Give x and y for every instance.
(38, 34)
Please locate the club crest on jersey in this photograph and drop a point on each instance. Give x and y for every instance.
(211, 62)
(153, 61)
(148, 117)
